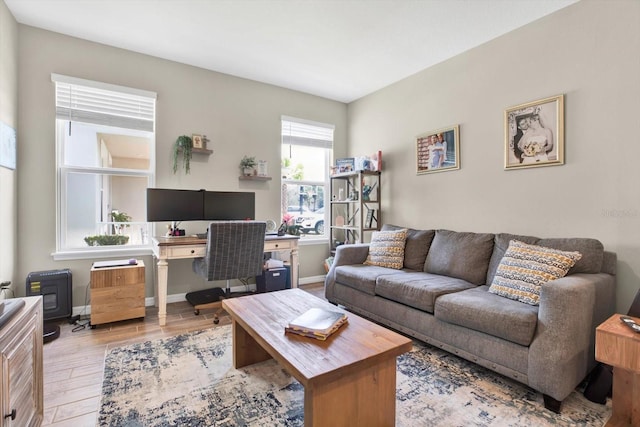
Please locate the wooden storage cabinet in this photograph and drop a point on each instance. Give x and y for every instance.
(21, 400)
(117, 293)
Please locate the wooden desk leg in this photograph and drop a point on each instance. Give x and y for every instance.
(246, 350)
(156, 303)
(625, 405)
(163, 276)
(363, 398)
(294, 267)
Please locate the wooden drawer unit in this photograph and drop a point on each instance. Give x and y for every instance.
(117, 293)
(21, 398)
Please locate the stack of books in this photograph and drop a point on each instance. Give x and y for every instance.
(317, 323)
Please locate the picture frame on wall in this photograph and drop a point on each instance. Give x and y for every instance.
(534, 134)
(197, 141)
(438, 150)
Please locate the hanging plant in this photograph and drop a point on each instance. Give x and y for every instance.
(184, 145)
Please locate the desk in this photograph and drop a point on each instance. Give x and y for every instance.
(167, 248)
(619, 346)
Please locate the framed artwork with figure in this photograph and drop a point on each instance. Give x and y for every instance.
(534, 134)
(438, 150)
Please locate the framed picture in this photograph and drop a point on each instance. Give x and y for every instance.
(7, 146)
(534, 134)
(438, 150)
(197, 141)
(345, 165)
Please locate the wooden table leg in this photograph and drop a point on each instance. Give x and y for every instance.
(362, 398)
(163, 277)
(246, 350)
(625, 405)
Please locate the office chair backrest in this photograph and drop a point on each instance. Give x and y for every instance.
(235, 249)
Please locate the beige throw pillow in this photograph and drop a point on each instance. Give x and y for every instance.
(387, 249)
(525, 268)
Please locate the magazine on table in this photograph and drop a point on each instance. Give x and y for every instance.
(317, 323)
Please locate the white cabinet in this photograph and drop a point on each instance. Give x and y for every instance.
(21, 401)
(355, 207)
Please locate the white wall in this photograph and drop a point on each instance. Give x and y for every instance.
(590, 52)
(238, 116)
(9, 116)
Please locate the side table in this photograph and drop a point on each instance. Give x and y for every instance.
(619, 346)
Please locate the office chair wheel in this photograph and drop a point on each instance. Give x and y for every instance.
(196, 312)
(216, 321)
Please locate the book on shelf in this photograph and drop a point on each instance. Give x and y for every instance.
(317, 323)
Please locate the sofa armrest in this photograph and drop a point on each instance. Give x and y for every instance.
(345, 255)
(565, 331)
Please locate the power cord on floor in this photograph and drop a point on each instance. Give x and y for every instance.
(82, 324)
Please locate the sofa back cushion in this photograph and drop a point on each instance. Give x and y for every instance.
(416, 246)
(592, 252)
(463, 255)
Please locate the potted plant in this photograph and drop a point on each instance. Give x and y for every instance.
(248, 164)
(184, 145)
(116, 238)
(120, 217)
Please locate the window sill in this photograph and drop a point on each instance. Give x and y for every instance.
(314, 241)
(102, 253)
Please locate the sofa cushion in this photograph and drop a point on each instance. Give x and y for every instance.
(485, 312)
(592, 251)
(387, 249)
(524, 268)
(500, 245)
(462, 255)
(416, 246)
(418, 290)
(361, 277)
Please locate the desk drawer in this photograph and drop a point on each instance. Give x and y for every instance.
(186, 252)
(281, 245)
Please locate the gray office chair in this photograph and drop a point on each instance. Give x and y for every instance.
(235, 250)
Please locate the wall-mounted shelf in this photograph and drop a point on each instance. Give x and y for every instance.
(254, 178)
(201, 151)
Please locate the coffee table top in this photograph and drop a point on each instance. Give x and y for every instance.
(357, 344)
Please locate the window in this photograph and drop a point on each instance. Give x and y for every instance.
(306, 156)
(105, 158)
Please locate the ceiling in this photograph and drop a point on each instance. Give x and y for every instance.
(336, 49)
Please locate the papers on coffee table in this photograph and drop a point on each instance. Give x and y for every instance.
(317, 323)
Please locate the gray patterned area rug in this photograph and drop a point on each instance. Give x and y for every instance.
(189, 380)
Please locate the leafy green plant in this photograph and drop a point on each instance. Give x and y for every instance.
(184, 145)
(120, 217)
(106, 240)
(247, 164)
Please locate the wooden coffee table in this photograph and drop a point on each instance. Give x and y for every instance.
(349, 379)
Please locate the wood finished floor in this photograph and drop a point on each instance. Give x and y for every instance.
(74, 363)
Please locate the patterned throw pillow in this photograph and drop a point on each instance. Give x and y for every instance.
(387, 249)
(525, 268)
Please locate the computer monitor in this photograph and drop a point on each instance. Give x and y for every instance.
(229, 205)
(165, 204)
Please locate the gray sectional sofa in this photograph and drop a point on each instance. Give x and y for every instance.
(441, 297)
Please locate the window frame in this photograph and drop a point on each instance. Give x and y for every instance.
(63, 171)
(327, 145)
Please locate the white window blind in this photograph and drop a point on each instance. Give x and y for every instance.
(306, 133)
(104, 104)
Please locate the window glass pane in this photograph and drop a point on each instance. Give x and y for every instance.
(304, 163)
(89, 145)
(106, 209)
(304, 209)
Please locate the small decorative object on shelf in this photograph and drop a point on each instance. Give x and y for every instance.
(184, 145)
(262, 168)
(198, 142)
(248, 164)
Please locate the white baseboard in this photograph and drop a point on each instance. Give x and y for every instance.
(85, 310)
